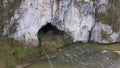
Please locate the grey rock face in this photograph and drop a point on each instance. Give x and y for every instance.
(75, 17)
(72, 16)
(106, 29)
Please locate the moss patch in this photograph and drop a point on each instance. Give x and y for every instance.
(104, 35)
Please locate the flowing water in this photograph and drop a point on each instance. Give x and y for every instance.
(80, 55)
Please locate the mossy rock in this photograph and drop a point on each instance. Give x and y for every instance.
(112, 15)
(105, 35)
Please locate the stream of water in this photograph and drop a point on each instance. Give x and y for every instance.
(82, 55)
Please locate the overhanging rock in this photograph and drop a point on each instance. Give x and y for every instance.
(75, 17)
(78, 18)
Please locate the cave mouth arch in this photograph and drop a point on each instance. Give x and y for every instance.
(49, 28)
(49, 31)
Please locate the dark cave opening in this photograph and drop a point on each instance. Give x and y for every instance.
(49, 28)
(51, 37)
(49, 33)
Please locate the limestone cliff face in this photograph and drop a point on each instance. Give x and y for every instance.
(75, 17)
(107, 26)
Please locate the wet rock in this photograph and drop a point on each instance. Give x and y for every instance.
(85, 57)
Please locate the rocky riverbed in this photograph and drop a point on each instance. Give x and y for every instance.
(80, 55)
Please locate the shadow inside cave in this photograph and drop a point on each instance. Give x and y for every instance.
(49, 29)
(52, 38)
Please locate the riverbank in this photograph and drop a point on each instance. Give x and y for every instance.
(81, 55)
(15, 54)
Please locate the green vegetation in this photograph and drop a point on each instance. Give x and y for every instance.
(104, 34)
(112, 15)
(111, 47)
(39, 40)
(13, 53)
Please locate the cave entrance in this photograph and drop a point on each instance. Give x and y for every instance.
(49, 29)
(50, 35)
